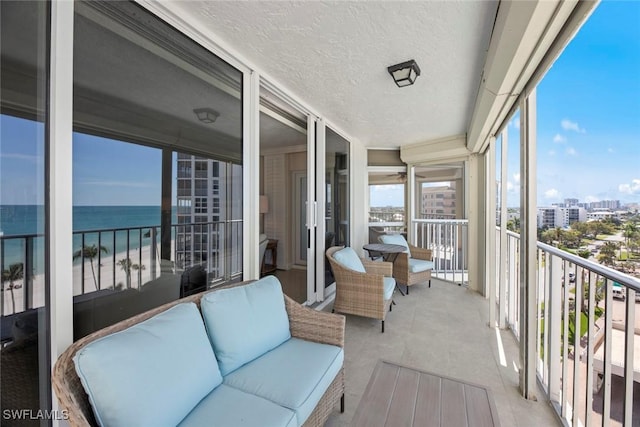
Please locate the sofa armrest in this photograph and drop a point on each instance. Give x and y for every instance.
(312, 325)
(420, 253)
(376, 267)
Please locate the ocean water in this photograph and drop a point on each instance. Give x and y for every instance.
(21, 220)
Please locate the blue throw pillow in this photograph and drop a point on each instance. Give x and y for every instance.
(245, 322)
(350, 259)
(153, 373)
(395, 239)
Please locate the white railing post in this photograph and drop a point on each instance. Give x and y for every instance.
(554, 322)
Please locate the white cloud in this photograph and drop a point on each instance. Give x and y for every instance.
(633, 188)
(552, 153)
(571, 151)
(515, 123)
(591, 199)
(569, 125)
(551, 194)
(512, 188)
(610, 150)
(559, 139)
(516, 178)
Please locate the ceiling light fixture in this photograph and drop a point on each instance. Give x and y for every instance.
(206, 115)
(404, 74)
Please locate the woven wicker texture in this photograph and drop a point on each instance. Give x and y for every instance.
(304, 322)
(19, 379)
(401, 266)
(359, 293)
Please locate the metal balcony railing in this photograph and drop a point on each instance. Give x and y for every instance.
(587, 339)
(448, 241)
(118, 257)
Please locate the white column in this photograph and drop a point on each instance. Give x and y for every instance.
(320, 206)
(316, 134)
(476, 223)
(528, 248)
(503, 229)
(60, 160)
(251, 174)
(490, 227)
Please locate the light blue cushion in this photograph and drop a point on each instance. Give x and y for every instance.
(152, 373)
(294, 375)
(395, 239)
(245, 322)
(226, 406)
(389, 284)
(419, 265)
(349, 258)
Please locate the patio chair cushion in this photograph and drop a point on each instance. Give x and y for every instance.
(152, 373)
(245, 322)
(350, 259)
(295, 375)
(389, 284)
(419, 265)
(228, 406)
(395, 239)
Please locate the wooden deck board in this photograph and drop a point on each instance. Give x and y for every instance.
(402, 396)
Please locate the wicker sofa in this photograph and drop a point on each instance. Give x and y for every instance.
(297, 382)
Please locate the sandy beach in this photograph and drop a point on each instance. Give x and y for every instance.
(107, 276)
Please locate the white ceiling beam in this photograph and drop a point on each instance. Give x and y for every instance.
(526, 40)
(449, 148)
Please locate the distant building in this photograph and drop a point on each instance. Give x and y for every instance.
(439, 202)
(605, 204)
(556, 216)
(570, 202)
(600, 215)
(202, 200)
(547, 217)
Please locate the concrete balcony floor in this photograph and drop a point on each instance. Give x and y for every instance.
(442, 330)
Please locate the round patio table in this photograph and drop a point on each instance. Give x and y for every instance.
(388, 252)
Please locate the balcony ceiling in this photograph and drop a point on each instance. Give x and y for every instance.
(334, 56)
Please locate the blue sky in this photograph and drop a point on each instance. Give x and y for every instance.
(588, 113)
(588, 133)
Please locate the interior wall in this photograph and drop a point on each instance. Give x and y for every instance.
(276, 188)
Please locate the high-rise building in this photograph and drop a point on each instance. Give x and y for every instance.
(198, 200)
(439, 202)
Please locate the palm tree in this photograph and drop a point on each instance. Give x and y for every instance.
(13, 273)
(630, 230)
(126, 265)
(90, 252)
(608, 253)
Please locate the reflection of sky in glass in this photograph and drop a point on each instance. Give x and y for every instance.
(21, 161)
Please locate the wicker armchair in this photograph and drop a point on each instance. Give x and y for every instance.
(359, 293)
(402, 264)
(304, 323)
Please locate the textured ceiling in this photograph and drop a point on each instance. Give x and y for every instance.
(334, 56)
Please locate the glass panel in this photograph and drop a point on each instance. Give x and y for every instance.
(152, 213)
(283, 184)
(336, 195)
(387, 201)
(25, 367)
(441, 191)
